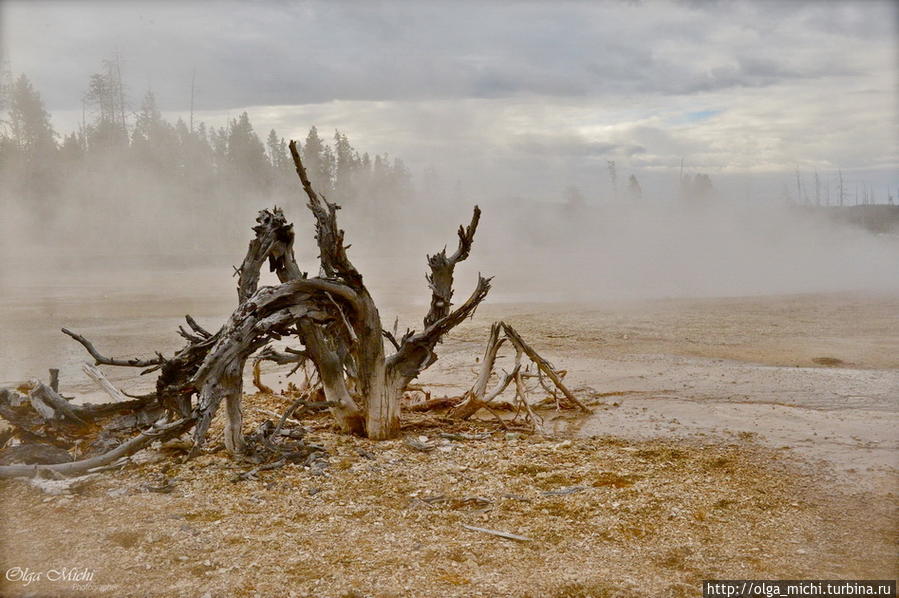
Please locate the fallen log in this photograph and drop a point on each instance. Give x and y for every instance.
(162, 432)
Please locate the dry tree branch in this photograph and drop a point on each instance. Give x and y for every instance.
(334, 260)
(273, 242)
(477, 397)
(196, 327)
(145, 438)
(440, 280)
(521, 395)
(543, 366)
(474, 398)
(257, 378)
(103, 382)
(294, 356)
(101, 360)
(390, 337)
(416, 351)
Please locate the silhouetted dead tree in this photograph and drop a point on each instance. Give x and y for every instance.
(333, 316)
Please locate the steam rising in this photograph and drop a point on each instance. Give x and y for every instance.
(538, 251)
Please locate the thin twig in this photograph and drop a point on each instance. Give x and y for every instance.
(496, 532)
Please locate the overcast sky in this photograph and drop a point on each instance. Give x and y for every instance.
(513, 98)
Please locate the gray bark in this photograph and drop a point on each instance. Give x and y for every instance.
(333, 316)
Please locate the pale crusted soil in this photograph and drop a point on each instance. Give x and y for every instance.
(648, 518)
(662, 507)
(862, 331)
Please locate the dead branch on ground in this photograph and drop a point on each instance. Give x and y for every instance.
(477, 397)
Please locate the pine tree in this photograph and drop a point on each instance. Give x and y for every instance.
(218, 140)
(246, 157)
(271, 145)
(148, 120)
(106, 94)
(72, 148)
(326, 170)
(155, 142)
(346, 165)
(6, 86)
(613, 177)
(29, 121)
(27, 154)
(313, 158)
(281, 162)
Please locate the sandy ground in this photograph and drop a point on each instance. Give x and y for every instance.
(732, 438)
(817, 375)
(602, 517)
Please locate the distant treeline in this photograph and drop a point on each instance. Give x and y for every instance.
(139, 164)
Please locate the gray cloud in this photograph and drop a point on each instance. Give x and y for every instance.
(571, 145)
(285, 53)
(486, 87)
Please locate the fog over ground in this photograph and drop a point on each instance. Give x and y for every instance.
(519, 107)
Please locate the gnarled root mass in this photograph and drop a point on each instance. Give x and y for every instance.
(332, 317)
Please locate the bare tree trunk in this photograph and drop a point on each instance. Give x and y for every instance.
(381, 390)
(330, 372)
(474, 398)
(378, 381)
(382, 414)
(232, 380)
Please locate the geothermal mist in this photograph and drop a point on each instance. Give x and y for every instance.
(537, 251)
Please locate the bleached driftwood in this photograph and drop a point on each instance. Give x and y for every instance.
(474, 398)
(143, 439)
(103, 382)
(496, 532)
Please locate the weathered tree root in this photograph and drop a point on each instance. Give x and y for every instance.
(332, 315)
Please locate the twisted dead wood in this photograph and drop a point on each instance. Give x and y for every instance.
(146, 437)
(333, 316)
